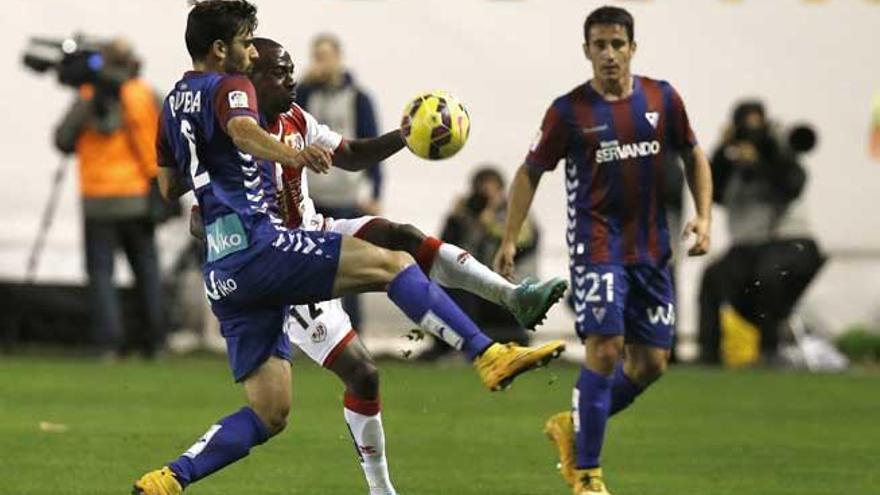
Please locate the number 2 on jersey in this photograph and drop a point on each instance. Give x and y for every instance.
(199, 179)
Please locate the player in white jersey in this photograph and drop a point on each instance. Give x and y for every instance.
(323, 330)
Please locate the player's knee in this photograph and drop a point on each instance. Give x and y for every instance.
(649, 371)
(607, 352)
(364, 380)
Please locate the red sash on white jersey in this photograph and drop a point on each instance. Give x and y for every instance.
(297, 129)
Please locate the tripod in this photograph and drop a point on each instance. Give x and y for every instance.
(46, 220)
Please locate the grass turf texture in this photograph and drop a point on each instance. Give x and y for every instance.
(697, 432)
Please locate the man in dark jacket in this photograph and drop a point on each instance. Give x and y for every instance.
(773, 254)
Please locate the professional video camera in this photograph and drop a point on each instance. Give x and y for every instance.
(106, 64)
(751, 126)
(76, 60)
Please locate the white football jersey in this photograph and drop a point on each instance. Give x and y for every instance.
(297, 128)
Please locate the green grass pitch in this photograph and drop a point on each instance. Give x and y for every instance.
(696, 432)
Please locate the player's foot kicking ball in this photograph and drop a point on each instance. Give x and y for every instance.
(589, 482)
(158, 482)
(532, 300)
(560, 431)
(501, 363)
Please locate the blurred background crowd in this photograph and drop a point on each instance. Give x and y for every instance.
(91, 259)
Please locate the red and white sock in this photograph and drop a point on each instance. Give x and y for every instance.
(452, 266)
(364, 420)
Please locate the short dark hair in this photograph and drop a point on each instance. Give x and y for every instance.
(213, 20)
(266, 43)
(610, 15)
(263, 45)
(745, 108)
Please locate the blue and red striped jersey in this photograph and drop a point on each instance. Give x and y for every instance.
(235, 191)
(615, 154)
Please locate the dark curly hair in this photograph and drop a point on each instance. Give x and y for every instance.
(213, 20)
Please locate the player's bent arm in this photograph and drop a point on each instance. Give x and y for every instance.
(171, 184)
(699, 179)
(359, 154)
(249, 137)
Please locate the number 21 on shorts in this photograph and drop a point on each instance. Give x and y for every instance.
(600, 287)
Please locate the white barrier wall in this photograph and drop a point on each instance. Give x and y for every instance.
(812, 61)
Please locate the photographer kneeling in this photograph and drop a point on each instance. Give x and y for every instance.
(773, 255)
(112, 128)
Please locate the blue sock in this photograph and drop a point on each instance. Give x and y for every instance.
(623, 391)
(426, 304)
(591, 402)
(226, 442)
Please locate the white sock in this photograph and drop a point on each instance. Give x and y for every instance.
(369, 438)
(454, 267)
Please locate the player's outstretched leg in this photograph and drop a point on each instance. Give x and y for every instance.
(268, 390)
(451, 266)
(364, 267)
(362, 412)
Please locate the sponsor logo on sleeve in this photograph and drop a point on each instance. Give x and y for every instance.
(238, 99)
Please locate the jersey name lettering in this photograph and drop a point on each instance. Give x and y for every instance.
(187, 101)
(611, 151)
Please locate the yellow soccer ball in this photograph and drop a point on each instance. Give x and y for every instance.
(435, 125)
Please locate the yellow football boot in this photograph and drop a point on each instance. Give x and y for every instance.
(158, 482)
(500, 364)
(589, 482)
(560, 431)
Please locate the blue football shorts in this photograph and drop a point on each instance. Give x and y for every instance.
(251, 300)
(636, 301)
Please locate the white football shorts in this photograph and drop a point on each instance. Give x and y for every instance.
(322, 330)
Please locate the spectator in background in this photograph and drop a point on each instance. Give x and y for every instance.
(328, 92)
(874, 139)
(476, 224)
(773, 256)
(112, 128)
